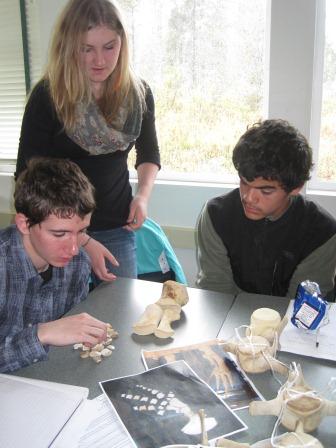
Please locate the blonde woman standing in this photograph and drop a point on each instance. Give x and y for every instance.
(90, 107)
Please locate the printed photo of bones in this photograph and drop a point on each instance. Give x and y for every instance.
(161, 407)
(214, 366)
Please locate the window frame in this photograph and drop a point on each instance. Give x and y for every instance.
(317, 97)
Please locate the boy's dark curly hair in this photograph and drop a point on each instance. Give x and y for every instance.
(53, 186)
(274, 150)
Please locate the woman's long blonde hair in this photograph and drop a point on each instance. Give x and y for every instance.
(68, 82)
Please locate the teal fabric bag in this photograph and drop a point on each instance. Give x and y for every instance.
(155, 253)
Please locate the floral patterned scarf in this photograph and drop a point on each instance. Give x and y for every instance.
(92, 133)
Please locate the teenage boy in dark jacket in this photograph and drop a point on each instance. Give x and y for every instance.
(265, 237)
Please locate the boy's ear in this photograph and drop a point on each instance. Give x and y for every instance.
(296, 191)
(21, 222)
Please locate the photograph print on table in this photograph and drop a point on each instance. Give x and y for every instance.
(161, 407)
(214, 366)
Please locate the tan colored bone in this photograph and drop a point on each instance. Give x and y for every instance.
(231, 444)
(157, 317)
(303, 439)
(297, 439)
(205, 439)
(98, 351)
(176, 291)
(164, 329)
(296, 403)
(255, 354)
(290, 439)
(266, 322)
(149, 320)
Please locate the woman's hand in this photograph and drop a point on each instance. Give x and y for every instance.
(138, 208)
(98, 253)
(137, 214)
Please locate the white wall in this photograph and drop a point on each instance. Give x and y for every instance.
(289, 96)
(291, 53)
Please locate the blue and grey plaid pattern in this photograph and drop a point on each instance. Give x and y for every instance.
(25, 301)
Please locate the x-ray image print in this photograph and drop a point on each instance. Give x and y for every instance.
(160, 407)
(213, 365)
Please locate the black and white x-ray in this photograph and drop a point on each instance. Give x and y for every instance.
(161, 407)
(216, 367)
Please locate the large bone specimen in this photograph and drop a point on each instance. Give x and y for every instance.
(295, 439)
(290, 439)
(157, 318)
(296, 403)
(149, 320)
(298, 439)
(164, 330)
(266, 322)
(255, 354)
(176, 291)
(231, 444)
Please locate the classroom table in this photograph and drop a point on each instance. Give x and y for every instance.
(207, 315)
(317, 372)
(121, 303)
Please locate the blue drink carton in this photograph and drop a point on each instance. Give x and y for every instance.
(309, 306)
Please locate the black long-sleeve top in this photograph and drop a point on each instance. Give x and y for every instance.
(42, 134)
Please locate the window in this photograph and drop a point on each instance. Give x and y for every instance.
(205, 63)
(12, 78)
(324, 108)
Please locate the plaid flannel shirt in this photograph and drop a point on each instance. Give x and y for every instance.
(25, 300)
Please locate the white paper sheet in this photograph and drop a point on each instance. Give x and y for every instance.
(105, 429)
(303, 342)
(33, 413)
(75, 427)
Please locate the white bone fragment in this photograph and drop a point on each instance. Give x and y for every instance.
(225, 443)
(106, 352)
(98, 348)
(112, 333)
(94, 354)
(205, 439)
